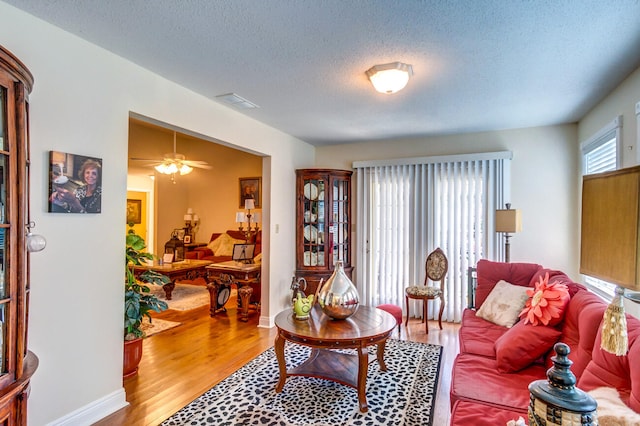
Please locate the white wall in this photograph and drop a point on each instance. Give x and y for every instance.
(81, 102)
(621, 101)
(543, 182)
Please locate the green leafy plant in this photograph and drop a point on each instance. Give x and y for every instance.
(138, 300)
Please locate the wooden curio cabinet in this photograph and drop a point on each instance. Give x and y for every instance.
(17, 364)
(323, 224)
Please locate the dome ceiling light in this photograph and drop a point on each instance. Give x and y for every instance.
(390, 78)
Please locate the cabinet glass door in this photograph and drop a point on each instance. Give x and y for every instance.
(313, 222)
(4, 290)
(340, 220)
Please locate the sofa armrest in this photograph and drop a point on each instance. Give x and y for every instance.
(203, 252)
(191, 255)
(472, 283)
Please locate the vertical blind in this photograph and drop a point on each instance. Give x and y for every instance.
(408, 208)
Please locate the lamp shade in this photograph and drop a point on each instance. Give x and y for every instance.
(508, 220)
(390, 78)
(610, 231)
(249, 204)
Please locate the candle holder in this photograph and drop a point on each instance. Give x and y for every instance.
(241, 217)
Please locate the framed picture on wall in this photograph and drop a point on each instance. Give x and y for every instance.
(75, 183)
(250, 188)
(134, 211)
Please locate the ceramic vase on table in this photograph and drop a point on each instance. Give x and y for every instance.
(338, 297)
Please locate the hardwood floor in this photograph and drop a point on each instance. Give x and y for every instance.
(182, 363)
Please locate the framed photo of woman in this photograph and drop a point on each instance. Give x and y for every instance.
(75, 183)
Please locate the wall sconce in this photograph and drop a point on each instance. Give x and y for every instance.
(241, 217)
(191, 223)
(390, 78)
(508, 221)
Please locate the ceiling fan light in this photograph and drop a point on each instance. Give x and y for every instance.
(161, 168)
(390, 78)
(172, 168)
(185, 170)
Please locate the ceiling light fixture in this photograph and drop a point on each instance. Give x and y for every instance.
(390, 78)
(174, 163)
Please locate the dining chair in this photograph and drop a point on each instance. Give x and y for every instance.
(436, 267)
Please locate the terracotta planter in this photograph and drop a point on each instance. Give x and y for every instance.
(132, 357)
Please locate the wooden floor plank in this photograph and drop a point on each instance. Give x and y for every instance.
(182, 363)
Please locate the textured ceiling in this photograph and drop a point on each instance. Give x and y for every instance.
(478, 65)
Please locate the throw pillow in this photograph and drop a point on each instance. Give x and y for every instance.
(522, 345)
(612, 411)
(503, 304)
(547, 302)
(223, 245)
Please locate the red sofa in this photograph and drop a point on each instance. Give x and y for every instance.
(482, 395)
(205, 253)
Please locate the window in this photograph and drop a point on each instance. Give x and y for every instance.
(602, 153)
(408, 207)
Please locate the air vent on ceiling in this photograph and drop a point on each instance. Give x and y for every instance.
(237, 101)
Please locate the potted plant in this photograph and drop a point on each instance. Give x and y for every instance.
(138, 300)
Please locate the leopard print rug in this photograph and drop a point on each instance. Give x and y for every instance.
(403, 395)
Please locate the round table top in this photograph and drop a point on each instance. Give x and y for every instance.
(365, 323)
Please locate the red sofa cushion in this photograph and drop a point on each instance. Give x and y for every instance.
(620, 372)
(557, 276)
(522, 345)
(480, 341)
(477, 379)
(489, 273)
(581, 322)
(468, 413)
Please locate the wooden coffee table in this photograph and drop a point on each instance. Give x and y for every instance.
(187, 269)
(368, 326)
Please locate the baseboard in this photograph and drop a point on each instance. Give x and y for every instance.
(94, 411)
(266, 322)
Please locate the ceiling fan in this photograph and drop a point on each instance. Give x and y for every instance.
(173, 162)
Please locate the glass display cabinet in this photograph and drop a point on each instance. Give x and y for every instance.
(323, 224)
(17, 364)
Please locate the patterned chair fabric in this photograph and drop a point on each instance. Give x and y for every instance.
(436, 268)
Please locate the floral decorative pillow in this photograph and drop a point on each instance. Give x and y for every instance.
(503, 304)
(546, 303)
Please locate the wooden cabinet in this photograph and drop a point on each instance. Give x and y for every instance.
(17, 364)
(323, 223)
